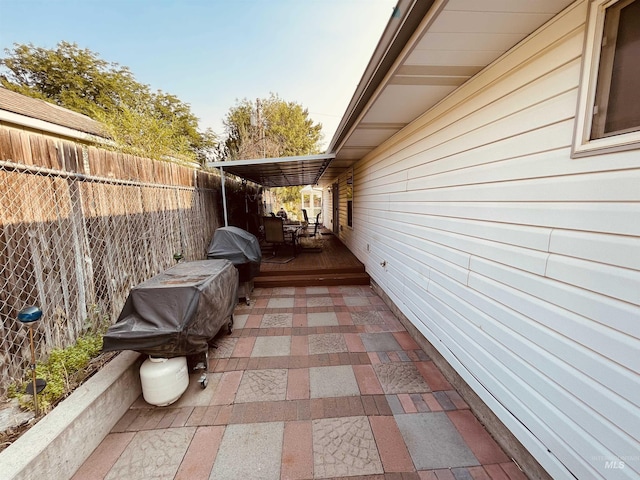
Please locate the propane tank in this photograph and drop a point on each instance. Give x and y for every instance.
(164, 380)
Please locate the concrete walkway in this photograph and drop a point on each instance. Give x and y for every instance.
(315, 382)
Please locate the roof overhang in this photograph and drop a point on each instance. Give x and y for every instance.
(279, 172)
(429, 49)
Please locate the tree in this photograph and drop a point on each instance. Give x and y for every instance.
(140, 121)
(271, 128)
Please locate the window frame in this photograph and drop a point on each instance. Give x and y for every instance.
(349, 198)
(583, 145)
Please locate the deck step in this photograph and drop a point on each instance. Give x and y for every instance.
(323, 271)
(312, 280)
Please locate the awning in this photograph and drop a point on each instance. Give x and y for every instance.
(279, 172)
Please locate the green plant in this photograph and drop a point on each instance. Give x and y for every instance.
(63, 371)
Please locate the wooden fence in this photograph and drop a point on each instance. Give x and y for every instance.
(80, 226)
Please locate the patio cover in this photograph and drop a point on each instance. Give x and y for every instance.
(279, 172)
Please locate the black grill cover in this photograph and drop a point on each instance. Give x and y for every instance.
(238, 246)
(178, 311)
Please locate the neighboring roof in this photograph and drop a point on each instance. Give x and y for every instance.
(278, 172)
(47, 112)
(428, 50)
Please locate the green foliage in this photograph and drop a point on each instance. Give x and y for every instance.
(289, 198)
(153, 124)
(63, 371)
(269, 128)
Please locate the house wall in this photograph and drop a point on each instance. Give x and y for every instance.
(519, 264)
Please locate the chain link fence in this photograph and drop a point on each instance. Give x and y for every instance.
(79, 227)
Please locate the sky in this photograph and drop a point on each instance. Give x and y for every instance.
(213, 53)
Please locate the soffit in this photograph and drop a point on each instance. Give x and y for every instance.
(455, 40)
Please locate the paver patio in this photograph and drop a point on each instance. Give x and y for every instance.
(307, 387)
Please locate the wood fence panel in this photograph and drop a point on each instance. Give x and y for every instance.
(5, 144)
(76, 245)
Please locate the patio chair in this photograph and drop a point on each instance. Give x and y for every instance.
(275, 234)
(316, 225)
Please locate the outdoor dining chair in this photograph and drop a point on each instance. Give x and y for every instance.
(275, 234)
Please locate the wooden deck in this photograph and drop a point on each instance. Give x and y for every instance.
(323, 260)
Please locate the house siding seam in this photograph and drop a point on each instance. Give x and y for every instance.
(518, 263)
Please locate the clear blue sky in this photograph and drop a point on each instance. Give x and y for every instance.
(211, 53)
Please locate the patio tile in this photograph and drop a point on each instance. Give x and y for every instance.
(344, 318)
(297, 451)
(393, 451)
(327, 343)
(272, 346)
(380, 342)
(244, 347)
(478, 473)
(259, 445)
(359, 301)
(482, 445)
(201, 454)
(444, 401)
(275, 320)
(427, 475)
(431, 402)
(253, 321)
(495, 472)
(433, 376)
(104, 457)
(405, 341)
(419, 402)
(400, 378)
(344, 447)
(322, 319)
(354, 342)
(461, 473)
(319, 302)
(317, 290)
(300, 345)
(513, 471)
(309, 393)
(353, 291)
(262, 386)
(298, 384)
(227, 388)
(196, 396)
(280, 303)
(299, 320)
(240, 320)
(224, 347)
(276, 291)
(337, 381)
(367, 380)
(434, 442)
(407, 404)
(153, 454)
(367, 318)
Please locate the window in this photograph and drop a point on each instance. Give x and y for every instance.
(609, 113)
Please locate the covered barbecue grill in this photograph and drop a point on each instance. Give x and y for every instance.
(243, 250)
(177, 312)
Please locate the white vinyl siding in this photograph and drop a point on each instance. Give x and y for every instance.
(518, 263)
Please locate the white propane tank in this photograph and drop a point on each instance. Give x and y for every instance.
(164, 380)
